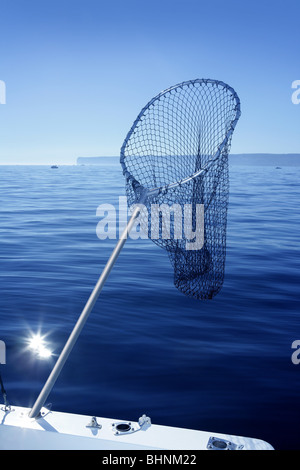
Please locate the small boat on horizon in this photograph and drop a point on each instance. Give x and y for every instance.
(54, 166)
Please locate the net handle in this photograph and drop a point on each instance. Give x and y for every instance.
(39, 403)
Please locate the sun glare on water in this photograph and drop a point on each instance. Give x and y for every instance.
(38, 345)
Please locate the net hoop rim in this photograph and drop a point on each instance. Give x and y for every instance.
(136, 183)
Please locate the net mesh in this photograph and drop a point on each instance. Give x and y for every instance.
(176, 156)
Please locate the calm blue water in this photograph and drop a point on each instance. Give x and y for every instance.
(222, 365)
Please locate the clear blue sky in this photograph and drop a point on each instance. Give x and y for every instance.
(78, 72)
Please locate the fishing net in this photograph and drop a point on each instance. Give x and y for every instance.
(175, 161)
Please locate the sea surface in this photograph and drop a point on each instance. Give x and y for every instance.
(221, 365)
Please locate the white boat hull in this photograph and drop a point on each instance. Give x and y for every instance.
(66, 431)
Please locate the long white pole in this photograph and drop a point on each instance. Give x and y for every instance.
(35, 411)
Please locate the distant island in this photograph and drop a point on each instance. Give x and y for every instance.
(249, 159)
(96, 160)
(265, 159)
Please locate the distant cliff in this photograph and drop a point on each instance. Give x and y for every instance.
(253, 159)
(265, 159)
(96, 160)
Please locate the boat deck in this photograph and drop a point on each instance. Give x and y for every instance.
(66, 431)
